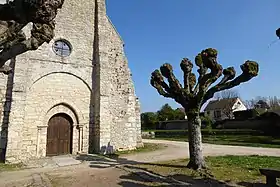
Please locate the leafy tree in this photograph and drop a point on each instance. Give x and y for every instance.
(149, 120)
(166, 113)
(261, 104)
(179, 114)
(14, 16)
(227, 94)
(257, 102)
(194, 93)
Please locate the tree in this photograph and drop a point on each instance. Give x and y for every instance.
(257, 102)
(149, 120)
(179, 114)
(193, 94)
(14, 16)
(261, 104)
(166, 113)
(273, 102)
(227, 94)
(278, 33)
(249, 103)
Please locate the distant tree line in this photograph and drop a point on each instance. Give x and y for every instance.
(149, 120)
(259, 102)
(269, 102)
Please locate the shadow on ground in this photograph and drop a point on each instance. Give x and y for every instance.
(142, 177)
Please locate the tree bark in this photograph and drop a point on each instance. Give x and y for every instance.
(195, 143)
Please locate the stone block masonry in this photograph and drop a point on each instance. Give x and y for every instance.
(92, 86)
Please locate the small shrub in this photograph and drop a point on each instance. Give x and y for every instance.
(207, 123)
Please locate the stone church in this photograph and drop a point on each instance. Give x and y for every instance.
(73, 95)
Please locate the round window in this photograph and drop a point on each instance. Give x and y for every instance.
(62, 48)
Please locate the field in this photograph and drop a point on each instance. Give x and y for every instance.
(242, 170)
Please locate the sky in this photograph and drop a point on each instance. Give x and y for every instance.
(160, 31)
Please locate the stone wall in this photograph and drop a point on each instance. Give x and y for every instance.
(119, 115)
(6, 86)
(173, 125)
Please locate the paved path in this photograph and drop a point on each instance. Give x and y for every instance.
(178, 150)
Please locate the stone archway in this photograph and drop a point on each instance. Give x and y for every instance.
(59, 135)
(72, 97)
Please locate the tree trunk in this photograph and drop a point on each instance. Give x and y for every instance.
(195, 143)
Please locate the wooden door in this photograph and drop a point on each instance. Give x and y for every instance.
(59, 135)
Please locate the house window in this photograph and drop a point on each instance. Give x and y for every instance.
(217, 114)
(62, 48)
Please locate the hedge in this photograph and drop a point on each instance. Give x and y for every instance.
(180, 133)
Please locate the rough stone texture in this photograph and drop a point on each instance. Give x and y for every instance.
(93, 86)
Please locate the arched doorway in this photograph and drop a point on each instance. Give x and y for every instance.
(59, 135)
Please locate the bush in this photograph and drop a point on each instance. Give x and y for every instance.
(205, 132)
(272, 124)
(207, 124)
(245, 114)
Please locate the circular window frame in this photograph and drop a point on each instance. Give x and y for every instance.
(68, 44)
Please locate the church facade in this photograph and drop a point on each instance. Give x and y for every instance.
(73, 95)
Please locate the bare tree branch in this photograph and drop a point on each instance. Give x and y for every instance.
(157, 81)
(187, 66)
(229, 74)
(250, 69)
(207, 59)
(273, 102)
(167, 71)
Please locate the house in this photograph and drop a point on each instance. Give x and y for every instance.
(261, 104)
(223, 108)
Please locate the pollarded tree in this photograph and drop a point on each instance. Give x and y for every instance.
(14, 16)
(193, 94)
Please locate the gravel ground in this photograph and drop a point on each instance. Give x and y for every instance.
(102, 173)
(178, 150)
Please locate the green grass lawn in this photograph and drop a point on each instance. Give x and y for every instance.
(229, 169)
(148, 147)
(243, 140)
